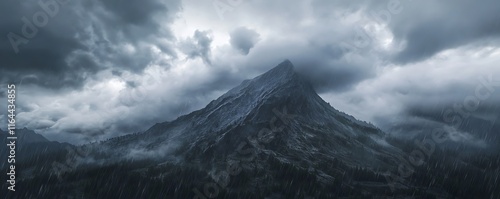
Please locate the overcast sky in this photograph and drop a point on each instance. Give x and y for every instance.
(94, 69)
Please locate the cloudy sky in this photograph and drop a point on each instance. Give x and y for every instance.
(90, 70)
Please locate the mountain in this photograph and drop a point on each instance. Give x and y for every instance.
(33, 151)
(25, 136)
(270, 137)
(276, 119)
(307, 127)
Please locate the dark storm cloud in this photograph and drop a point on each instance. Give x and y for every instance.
(116, 73)
(77, 39)
(414, 100)
(104, 48)
(429, 27)
(244, 39)
(423, 28)
(73, 49)
(198, 46)
(315, 42)
(426, 28)
(132, 84)
(134, 12)
(455, 24)
(30, 59)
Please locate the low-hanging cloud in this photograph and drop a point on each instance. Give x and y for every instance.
(198, 46)
(244, 39)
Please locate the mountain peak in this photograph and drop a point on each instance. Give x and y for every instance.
(281, 75)
(284, 70)
(285, 66)
(25, 135)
